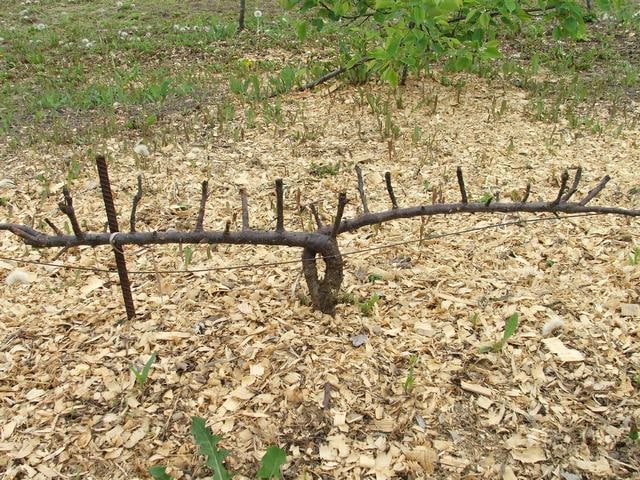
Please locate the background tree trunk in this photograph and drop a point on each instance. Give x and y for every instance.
(243, 5)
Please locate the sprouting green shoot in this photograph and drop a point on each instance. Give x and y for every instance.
(366, 307)
(410, 381)
(141, 375)
(271, 463)
(510, 327)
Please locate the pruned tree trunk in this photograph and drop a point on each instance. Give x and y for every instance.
(323, 292)
(243, 5)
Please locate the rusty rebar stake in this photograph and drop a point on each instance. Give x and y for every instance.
(121, 263)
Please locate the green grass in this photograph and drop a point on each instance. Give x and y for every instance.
(586, 83)
(75, 65)
(75, 72)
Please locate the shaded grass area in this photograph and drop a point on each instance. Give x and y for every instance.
(578, 81)
(72, 73)
(63, 63)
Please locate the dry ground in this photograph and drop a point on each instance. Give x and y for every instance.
(237, 347)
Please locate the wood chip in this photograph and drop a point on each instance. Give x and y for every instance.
(474, 388)
(564, 353)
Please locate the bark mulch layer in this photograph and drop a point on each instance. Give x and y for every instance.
(241, 349)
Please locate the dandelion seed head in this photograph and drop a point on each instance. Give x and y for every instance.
(141, 149)
(18, 277)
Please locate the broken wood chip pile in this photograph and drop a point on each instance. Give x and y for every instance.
(239, 347)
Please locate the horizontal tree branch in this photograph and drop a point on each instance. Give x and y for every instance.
(314, 240)
(367, 219)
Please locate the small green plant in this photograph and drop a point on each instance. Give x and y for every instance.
(142, 375)
(324, 169)
(73, 171)
(486, 198)
(372, 277)
(270, 464)
(634, 258)
(366, 307)
(510, 327)
(410, 381)
(187, 255)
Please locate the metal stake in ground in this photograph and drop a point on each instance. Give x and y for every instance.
(121, 263)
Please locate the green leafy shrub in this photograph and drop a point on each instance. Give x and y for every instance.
(394, 37)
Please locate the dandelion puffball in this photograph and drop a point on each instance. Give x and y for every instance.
(18, 277)
(257, 13)
(552, 325)
(141, 149)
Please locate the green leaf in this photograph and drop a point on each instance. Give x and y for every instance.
(510, 5)
(484, 19)
(159, 473)
(318, 23)
(384, 4)
(209, 448)
(147, 366)
(390, 75)
(570, 25)
(510, 327)
(271, 462)
(301, 30)
(141, 375)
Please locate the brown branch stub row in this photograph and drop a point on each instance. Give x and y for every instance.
(204, 195)
(279, 205)
(319, 244)
(392, 196)
(361, 192)
(134, 205)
